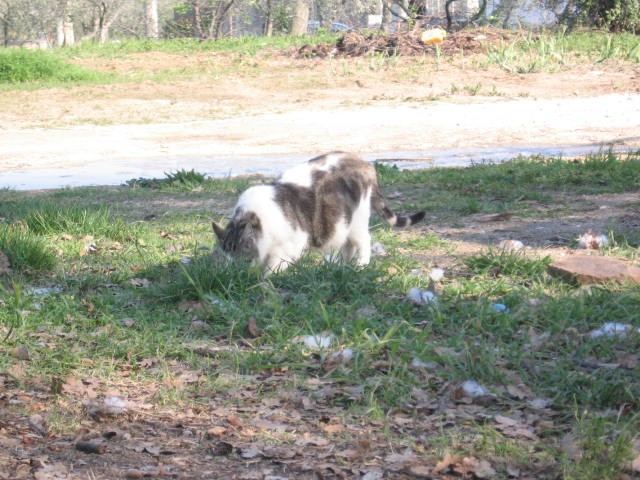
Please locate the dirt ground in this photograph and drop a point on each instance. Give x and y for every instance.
(222, 113)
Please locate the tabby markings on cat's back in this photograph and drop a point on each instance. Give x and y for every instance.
(302, 175)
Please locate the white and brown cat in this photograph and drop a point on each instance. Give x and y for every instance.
(323, 205)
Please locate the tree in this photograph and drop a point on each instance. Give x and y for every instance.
(151, 19)
(300, 17)
(105, 14)
(615, 15)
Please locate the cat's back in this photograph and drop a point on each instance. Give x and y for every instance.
(327, 166)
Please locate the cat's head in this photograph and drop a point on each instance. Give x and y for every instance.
(240, 237)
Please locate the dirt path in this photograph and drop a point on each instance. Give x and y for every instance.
(264, 121)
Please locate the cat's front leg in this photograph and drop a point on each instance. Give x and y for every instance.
(358, 248)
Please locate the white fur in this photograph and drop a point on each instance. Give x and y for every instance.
(281, 244)
(302, 174)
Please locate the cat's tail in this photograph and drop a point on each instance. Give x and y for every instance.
(380, 206)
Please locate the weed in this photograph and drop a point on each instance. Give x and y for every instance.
(50, 219)
(26, 252)
(22, 66)
(605, 449)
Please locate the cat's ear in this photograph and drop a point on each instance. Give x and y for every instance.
(218, 230)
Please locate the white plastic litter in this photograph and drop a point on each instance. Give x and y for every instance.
(613, 329)
(592, 240)
(343, 355)
(316, 342)
(422, 297)
(42, 291)
(473, 389)
(436, 274)
(511, 245)
(418, 364)
(378, 250)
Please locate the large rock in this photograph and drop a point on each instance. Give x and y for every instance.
(587, 269)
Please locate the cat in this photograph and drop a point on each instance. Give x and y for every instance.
(323, 204)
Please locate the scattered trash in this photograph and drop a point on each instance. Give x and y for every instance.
(499, 307)
(436, 274)
(185, 260)
(511, 245)
(418, 364)
(43, 291)
(140, 282)
(422, 297)
(592, 241)
(110, 406)
(613, 329)
(378, 250)
(540, 403)
(317, 342)
(343, 355)
(433, 35)
(473, 389)
(90, 247)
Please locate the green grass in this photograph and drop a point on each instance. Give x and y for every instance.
(26, 252)
(548, 52)
(18, 66)
(246, 45)
(152, 293)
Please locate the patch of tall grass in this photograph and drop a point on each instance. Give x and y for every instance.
(51, 219)
(19, 66)
(26, 252)
(550, 51)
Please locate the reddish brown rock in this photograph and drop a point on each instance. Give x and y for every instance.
(586, 269)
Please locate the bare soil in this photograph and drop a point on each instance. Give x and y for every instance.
(211, 106)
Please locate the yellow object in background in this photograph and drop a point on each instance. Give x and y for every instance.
(433, 35)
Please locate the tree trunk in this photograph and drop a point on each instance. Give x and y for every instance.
(151, 19)
(385, 23)
(69, 36)
(300, 18)
(268, 24)
(59, 32)
(447, 11)
(197, 21)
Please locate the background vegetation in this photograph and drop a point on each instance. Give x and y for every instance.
(42, 24)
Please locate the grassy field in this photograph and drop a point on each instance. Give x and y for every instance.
(116, 295)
